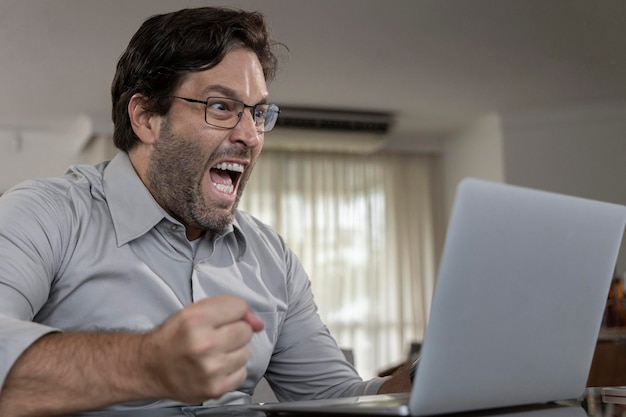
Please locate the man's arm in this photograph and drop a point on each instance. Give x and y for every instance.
(197, 354)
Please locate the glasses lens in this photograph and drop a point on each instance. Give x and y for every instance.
(269, 117)
(223, 112)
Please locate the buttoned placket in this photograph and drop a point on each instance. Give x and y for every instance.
(175, 265)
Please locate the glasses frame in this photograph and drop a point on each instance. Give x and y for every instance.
(245, 106)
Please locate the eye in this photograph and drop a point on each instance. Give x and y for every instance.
(260, 112)
(219, 106)
(221, 109)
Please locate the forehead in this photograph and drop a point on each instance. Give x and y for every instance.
(239, 74)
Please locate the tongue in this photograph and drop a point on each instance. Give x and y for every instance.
(219, 176)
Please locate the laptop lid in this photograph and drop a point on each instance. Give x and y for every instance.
(518, 304)
(519, 299)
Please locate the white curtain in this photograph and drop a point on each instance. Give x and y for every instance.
(365, 229)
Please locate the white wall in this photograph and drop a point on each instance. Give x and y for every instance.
(578, 150)
(473, 152)
(48, 151)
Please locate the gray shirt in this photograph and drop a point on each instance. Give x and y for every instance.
(94, 251)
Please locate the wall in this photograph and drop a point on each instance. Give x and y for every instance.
(48, 151)
(577, 150)
(473, 152)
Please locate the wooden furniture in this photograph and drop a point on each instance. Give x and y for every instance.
(608, 367)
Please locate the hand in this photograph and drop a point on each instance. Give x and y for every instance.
(400, 380)
(201, 352)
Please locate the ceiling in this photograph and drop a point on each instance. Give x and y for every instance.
(435, 64)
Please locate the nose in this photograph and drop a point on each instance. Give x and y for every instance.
(246, 130)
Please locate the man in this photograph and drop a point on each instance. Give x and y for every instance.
(136, 282)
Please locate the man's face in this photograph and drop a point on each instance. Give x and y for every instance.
(196, 171)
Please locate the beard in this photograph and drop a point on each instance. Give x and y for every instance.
(175, 173)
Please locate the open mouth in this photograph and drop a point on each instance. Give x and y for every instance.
(226, 175)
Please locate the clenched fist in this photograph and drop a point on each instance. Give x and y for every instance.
(201, 352)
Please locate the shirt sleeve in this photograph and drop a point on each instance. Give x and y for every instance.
(28, 261)
(307, 363)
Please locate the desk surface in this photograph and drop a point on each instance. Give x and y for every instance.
(549, 410)
(591, 405)
(242, 411)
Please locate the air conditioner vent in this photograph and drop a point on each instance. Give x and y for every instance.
(334, 120)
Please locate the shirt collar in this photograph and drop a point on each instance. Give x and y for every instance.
(240, 237)
(133, 209)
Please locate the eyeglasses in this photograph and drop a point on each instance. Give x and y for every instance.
(226, 112)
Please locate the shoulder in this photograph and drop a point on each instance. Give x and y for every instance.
(43, 198)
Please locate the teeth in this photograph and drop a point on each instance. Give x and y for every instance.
(228, 189)
(230, 167)
(225, 166)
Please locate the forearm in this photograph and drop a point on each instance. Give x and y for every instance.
(199, 353)
(64, 373)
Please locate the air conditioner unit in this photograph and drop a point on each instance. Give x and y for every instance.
(323, 130)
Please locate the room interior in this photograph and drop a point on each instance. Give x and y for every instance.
(529, 92)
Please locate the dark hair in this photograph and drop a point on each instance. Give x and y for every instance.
(167, 47)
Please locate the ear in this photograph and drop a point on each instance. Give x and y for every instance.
(144, 123)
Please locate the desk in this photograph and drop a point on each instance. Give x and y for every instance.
(589, 405)
(551, 410)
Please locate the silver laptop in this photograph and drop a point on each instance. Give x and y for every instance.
(517, 308)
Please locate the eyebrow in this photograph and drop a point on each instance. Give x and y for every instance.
(226, 92)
